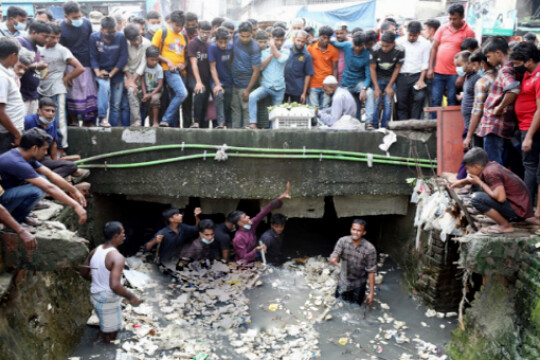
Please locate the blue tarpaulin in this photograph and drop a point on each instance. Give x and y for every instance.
(361, 15)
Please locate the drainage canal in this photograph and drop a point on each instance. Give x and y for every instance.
(291, 313)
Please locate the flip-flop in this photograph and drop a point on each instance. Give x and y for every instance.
(494, 230)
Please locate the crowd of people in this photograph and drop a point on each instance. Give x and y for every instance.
(179, 70)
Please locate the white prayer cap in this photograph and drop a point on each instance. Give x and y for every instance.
(330, 80)
(342, 25)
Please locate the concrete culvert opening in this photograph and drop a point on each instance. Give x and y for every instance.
(304, 237)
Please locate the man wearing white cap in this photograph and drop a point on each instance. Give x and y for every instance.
(341, 32)
(343, 102)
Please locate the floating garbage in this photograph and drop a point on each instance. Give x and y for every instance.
(273, 307)
(343, 341)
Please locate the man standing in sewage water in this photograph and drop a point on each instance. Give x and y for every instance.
(359, 264)
(104, 267)
(245, 239)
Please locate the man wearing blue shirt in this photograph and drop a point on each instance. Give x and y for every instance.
(20, 172)
(108, 56)
(44, 119)
(245, 68)
(356, 77)
(273, 81)
(219, 56)
(298, 70)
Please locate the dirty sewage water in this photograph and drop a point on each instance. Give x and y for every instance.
(283, 322)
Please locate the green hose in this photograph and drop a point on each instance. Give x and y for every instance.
(248, 155)
(430, 163)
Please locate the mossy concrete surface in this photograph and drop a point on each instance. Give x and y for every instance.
(44, 302)
(243, 178)
(43, 315)
(503, 321)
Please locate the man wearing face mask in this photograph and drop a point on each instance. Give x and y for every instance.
(44, 119)
(172, 47)
(199, 73)
(153, 24)
(20, 172)
(15, 23)
(245, 240)
(108, 56)
(203, 248)
(81, 97)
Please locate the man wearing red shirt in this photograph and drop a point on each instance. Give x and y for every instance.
(526, 59)
(446, 44)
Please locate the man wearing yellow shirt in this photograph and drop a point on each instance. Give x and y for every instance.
(172, 47)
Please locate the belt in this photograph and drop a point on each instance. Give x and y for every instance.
(409, 74)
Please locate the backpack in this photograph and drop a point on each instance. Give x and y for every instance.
(164, 34)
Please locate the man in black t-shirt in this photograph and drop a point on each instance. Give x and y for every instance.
(224, 233)
(172, 237)
(199, 73)
(386, 59)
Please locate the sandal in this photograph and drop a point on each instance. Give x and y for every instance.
(32, 222)
(136, 124)
(369, 126)
(104, 123)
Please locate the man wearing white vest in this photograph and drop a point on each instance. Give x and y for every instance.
(104, 267)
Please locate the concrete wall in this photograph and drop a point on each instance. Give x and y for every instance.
(240, 178)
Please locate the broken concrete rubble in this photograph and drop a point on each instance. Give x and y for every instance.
(212, 320)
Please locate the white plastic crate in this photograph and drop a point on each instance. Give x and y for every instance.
(294, 119)
(291, 122)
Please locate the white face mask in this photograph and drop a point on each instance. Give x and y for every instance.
(207, 242)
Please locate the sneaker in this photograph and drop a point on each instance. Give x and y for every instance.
(136, 124)
(104, 123)
(163, 124)
(80, 175)
(194, 126)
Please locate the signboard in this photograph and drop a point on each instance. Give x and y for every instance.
(360, 15)
(492, 17)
